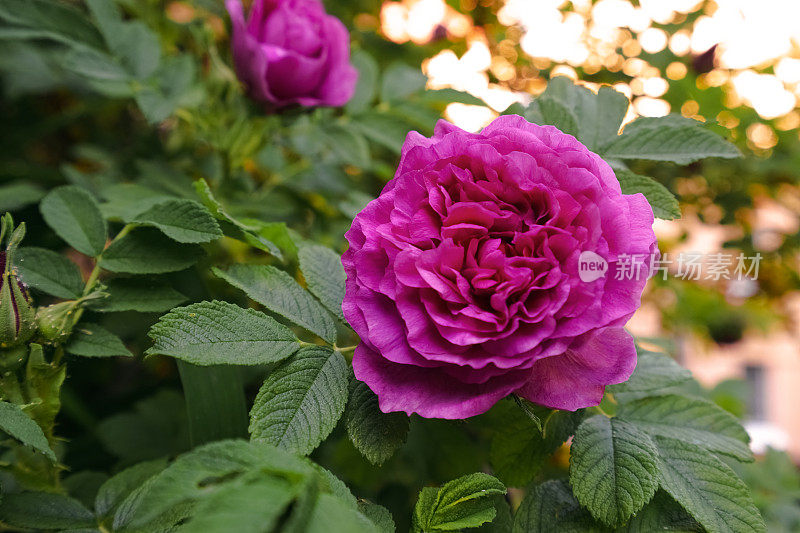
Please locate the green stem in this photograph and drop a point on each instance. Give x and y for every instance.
(215, 402)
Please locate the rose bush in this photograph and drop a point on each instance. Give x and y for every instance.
(292, 52)
(462, 276)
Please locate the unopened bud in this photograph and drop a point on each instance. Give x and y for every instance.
(17, 316)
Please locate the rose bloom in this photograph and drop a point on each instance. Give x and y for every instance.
(463, 280)
(292, 52)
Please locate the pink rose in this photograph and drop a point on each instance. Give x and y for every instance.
(292, 52)
(463, 279)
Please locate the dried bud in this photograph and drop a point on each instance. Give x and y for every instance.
(17, 316)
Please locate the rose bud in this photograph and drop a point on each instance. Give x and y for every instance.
(57, 321)
(17, 316)
(292, 52)
(464, 278)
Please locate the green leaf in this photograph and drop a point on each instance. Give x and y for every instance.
(300, 401)
(324, 273)
(280, 293)
(44, 510)
(126, 200)
(400, 81)
(116, 489)
(181, 220)
(613, 468)
(211, 473)
(668, 139)
(383, 129)
(347, 145)
(461, 503)
(137, 47)
(73, 214)
(551, 507)
(330, 510)
(654, 372)
(598, 116)
(148, 251)
(663, 202)
(377, 435)
(379, 515)
(102, 72)
(367, 84)
(91, 340)
(254, 503)
(557, 114)
(60, 21)
(689, 419)
(221, 333)
(443, 97)
(49, 272)
(21, 427)
(661, 514)
(145, 295)
(15, 196)
(519, 450)
(243, 232)
(707, 488)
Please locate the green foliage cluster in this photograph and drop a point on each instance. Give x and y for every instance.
(182, 236)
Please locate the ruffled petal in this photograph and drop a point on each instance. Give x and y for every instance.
(577, 378)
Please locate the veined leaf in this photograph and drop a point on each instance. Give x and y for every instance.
(668, 140)
(210, 474)
(301, 400)
(221, 333)
(44, 510)
(148, 251)
(551, 507)
(73, 214)
(144, 295)
(597, 116)
(663, 202)
(91, 340)
(374, 433)
(613, 468)
(379, 515)
(116, 489)
(280, 293)
(462, 503)
(21, 427)
(707, 488)
(519, 450)
(661, 514)
(691, 420)
(654, 372)
(241, 231)
(126, 200)
(181, 220)
(324, 273)
(557, 114)
(49, 272)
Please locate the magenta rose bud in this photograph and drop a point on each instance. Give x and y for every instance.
(292, 52)
(463, 276)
